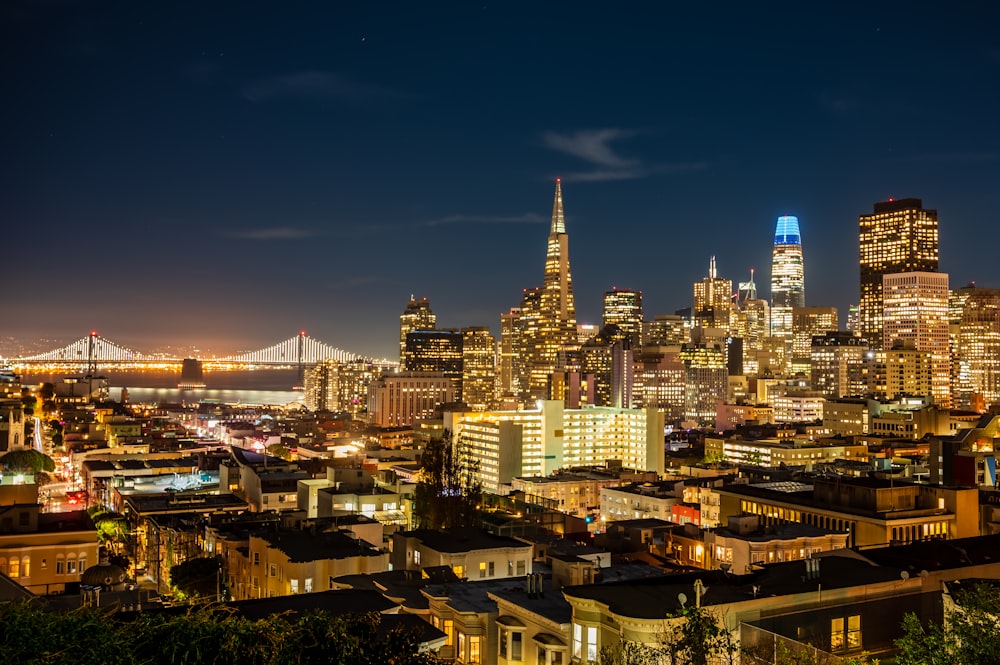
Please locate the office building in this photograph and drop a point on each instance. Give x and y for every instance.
(478, 368)
(977, 354)
(915, 309)
(713, 300)
(548, 314)
(435, 351)
(508, 364)
(787, 275)
(416, 316)
(623, 308)
(837, 364)
(706, 381)
(899, 236)
(396, 400)
(808, 322)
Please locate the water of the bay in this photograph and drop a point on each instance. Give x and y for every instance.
(258, 387)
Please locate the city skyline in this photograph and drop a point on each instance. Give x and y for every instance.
(224, 178)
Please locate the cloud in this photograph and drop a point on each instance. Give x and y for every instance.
(950, 157)
(592, 145)
(274, 233)
(526, 218)
(313, 84)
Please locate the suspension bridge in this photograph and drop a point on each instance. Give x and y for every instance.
(94, 351)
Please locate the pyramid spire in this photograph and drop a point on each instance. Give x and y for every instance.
(558, 217)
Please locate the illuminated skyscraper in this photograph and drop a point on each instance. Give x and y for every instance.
(623, 308)
(416, 316)
(915, 309)
(808, 322)
(478, 368)
(788, 286)
(713, 300)
(509, 352)
(978, 352)
(548, 314)
(899, 236)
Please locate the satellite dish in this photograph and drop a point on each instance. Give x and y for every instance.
(682, 598)
(924, 573)
(905, 575)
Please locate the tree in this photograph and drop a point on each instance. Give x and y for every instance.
(447, 494)
(279, 450)
(200, 577)
(204, 635)
(693, 636)
(112, 529)
(969, 635)
(27, 461)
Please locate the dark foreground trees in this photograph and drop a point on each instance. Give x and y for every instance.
(202, 636)
(970, 634)
(447, 493)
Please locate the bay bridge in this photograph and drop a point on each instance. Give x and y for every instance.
(94, 351)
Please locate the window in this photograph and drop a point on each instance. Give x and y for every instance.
(15, 567)
(516, 645)
(521, 568)
(449, 630)
(577, 641)
(475, 649)
(272, 570)
(309, 585)
(459, 571)
(60, 567)
(502, 642)
(491, 569)
(45, 564)
(81, 564)
(460, 655)
(26, 567)
(256, 558)
(294, 585)
(71, 566)
(592, 643)
(482, 569)
(416, 557)
(845, 633)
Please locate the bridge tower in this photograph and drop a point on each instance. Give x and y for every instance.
(92, 353)
(301, 359)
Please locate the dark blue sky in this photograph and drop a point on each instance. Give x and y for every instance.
(224, 174)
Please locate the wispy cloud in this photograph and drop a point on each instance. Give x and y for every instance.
(526, 218)
(950, 157)
(608, 165)
(273, 233)
(592, 145)
(313, 84)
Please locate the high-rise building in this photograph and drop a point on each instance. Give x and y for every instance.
(508, 364)
(416, 316)
(713, 300)
(978, 349)
(788, 288)
(623, 308)
(548, 314)
(807, 322)
(837, 364)
(435, 351)
(915, 308)
(899, 236)
(397, 400)
(478, 368)
(660, 380)
(706, 381)
(666, 330)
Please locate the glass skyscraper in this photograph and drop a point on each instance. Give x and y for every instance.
(788, 286)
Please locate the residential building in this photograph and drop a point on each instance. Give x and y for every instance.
(402, 399)
(471, 553)
(536, 442)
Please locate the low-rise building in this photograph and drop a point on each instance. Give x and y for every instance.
(471, 553)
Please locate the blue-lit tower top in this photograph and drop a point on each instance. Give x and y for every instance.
(787, 231)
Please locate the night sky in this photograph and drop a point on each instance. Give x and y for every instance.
(224, 174)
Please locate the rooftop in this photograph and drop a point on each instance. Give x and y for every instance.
(304, 546)
(462, 540)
